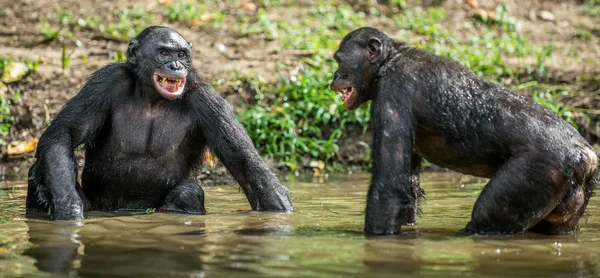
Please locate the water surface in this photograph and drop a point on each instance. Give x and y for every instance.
(322, 238)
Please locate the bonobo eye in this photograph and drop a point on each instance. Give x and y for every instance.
(163, 52)
(182, 54)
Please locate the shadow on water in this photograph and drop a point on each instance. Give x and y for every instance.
(322, 238)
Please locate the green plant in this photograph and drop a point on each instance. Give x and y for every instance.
(541, 57)
(129, 23)
(549, 99)
(194, 13)
(120, 56)
(147, 211)
(581, 32)
(591, 7)
(500, 17)
(422, 21)
(305, 120)
(6, 101)
(150, 210)
(48, 32)
(65, 58)
(5, 119)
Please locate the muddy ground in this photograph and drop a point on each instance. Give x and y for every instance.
(44, 92)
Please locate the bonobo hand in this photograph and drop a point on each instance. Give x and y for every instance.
(276, 199)
(385, 216)
(70, 208)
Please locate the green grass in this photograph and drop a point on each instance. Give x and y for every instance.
(192, 13)
(548, 99)
(64, 25)
(591, 7)
(5, 119)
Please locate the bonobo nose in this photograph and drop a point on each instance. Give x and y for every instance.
(175, 66)
(336, 75)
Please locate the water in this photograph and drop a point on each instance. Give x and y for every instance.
(322, 238)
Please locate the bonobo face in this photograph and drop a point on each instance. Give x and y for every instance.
(356, 59)
(162, 57)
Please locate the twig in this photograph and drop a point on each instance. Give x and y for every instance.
(47, 113)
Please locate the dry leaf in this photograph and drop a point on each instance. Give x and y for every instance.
(13, 72)
(249, 6)
(21, 147)
(472, 3)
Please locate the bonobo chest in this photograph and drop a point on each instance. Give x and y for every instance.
(141, 128)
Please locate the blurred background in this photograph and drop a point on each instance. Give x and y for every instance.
(272, 60)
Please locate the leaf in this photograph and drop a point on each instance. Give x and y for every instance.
(13, 72)
(22, 147)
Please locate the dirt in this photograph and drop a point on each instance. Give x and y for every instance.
(43, 93)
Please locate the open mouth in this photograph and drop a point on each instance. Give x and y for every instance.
(346, 94)
(168, 86)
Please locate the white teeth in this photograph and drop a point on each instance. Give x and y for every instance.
(344, 93)
(169, 82)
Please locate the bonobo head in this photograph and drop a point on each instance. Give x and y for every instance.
(359, 57)
(162, 57)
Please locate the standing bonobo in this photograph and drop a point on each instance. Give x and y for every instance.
(542, 172)
(145, 124)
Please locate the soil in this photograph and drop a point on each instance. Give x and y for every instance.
(43, 93)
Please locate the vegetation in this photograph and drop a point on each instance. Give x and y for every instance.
(65, 25)
(5, 119)
(298, 119)
(6, 100)
(306, 120)
(591, 7)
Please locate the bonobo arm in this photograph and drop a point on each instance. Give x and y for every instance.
(228, 139)
(77, 123)
(390, 201)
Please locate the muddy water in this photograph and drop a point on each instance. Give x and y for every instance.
(322, 238)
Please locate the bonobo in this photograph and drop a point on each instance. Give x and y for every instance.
(145, 124)
(542, 172)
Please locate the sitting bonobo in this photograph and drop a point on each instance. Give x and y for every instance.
(145, 124)
(542, 172)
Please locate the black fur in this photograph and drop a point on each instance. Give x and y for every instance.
(141, 145)
(425, 106)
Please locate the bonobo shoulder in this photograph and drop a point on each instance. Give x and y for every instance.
(112, 72)
(202, 96)
(111, 78)
(196, 87)
(421, 58)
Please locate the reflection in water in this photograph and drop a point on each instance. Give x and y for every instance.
(55, 245)
(322, 238)
(154, 247)
(484, 256)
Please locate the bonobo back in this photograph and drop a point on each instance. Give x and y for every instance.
(542, 172)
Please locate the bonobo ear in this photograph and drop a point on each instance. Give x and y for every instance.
(132, 51)
(373, 49)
